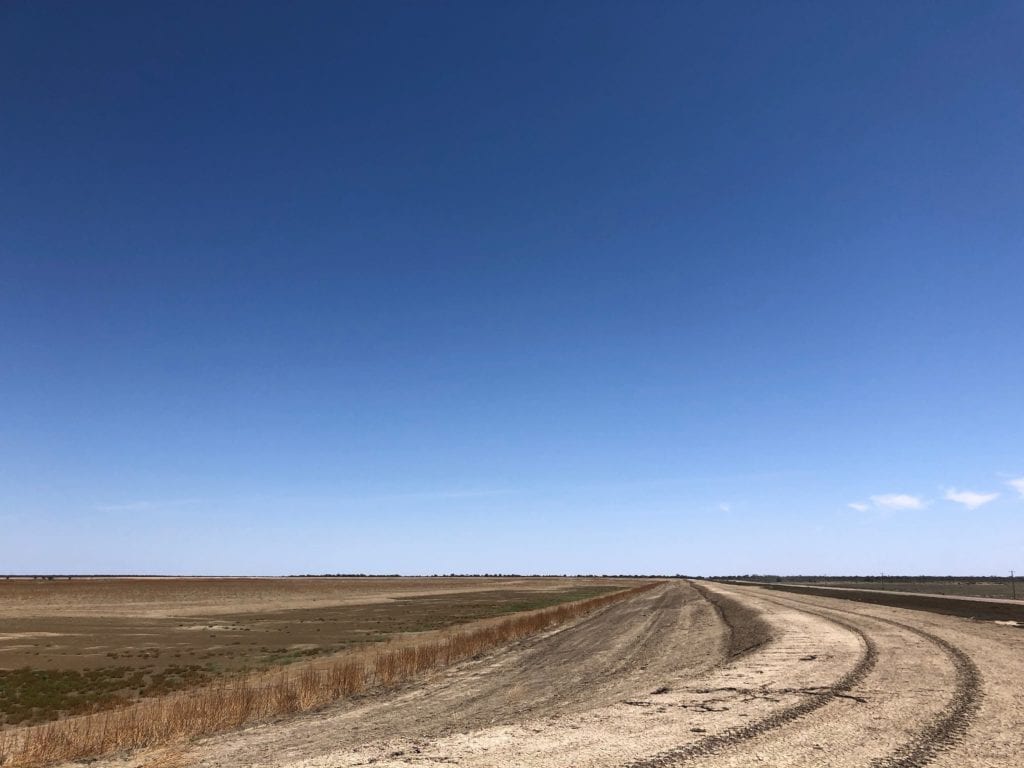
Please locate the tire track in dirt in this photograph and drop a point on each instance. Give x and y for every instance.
(950, 726)
(733, 736)
(621, 730)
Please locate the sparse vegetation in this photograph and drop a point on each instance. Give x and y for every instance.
(76, 650)
(31, 696)
(234, 702)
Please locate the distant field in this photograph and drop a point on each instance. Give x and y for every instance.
(997, 588)
(72, 646)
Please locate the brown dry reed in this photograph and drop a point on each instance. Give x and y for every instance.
(242, 701)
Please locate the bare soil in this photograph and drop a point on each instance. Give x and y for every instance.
(725, 676)
(201, 596)
(966, 606)
(997, 587)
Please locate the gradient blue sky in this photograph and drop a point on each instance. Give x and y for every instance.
(562, 287)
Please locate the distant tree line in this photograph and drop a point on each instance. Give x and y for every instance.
(343, 575)
(491, 576)
(772, 578)
(41, 576)
(53, 577)
(68, 576)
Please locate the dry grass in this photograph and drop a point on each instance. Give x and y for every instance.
(172, 757)
(231, 704)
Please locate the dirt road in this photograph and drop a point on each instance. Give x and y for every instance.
(655, 682)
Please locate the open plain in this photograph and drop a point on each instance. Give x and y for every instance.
(73, 646)
(683, 674)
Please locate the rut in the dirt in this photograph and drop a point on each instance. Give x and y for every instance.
(951, 725)
(732, 737)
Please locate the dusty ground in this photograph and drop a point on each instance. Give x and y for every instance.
(651, 682)
(67, 646)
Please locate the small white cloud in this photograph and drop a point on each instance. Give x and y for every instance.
(1017, 485)
(898, 501)
(970, 499)
(723, 507)
(859, 506)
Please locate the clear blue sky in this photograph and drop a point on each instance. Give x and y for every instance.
(464, 286)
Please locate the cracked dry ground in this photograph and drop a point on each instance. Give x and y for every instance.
(712, 675)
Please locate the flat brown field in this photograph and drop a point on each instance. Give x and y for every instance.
(994, 588)
(163, 597)
(678, 674)
(69, 645)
